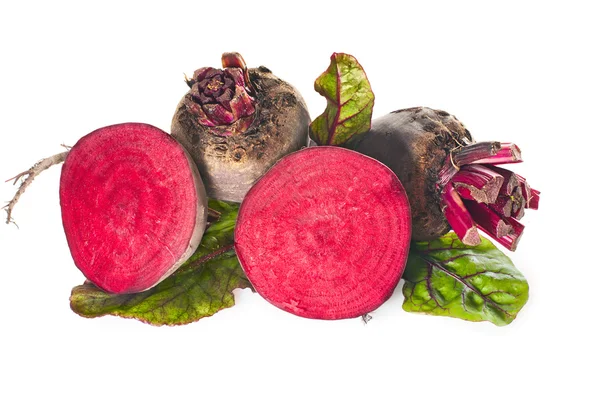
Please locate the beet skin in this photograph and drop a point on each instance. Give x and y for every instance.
(133, 206)
(325, 233)
(415, 144)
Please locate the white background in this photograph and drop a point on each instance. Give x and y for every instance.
(513, 71)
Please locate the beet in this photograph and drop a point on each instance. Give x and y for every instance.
(439, 164)
(325, 233)
(133, 206)
(236, 123)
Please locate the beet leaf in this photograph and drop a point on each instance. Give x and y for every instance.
(201, 287)
(349, 102)
(446, 278)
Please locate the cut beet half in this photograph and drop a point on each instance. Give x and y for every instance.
(133, 206)
(325, 233)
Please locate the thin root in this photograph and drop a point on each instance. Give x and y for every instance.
(452, 157)
(31, 174)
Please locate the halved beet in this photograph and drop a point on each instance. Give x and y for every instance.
(133, 206)
(325, 233)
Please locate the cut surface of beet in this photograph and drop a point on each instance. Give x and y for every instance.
(133, 206)
(325, 233)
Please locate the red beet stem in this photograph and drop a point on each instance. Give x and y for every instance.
(525, 190)
(511, 240)
(488, 219)
(325, 233)
(510, 179)
(447, 173)
(458, 217)
(508, 153)
(474, 152)
(479, 183)
(503, 205)
(519, 203)
(534, 201)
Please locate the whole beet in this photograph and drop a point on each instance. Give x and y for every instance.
(415, 144)
(270, 119)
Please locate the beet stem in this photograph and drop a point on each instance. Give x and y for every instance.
(534, 201)
(511, 181)
(511, 240)
(479, 183)
(473, 152)
(458, 217)
(503, 205)
(519, 203)
(447, 173)
(508, 153)
(31, 174)
(488, 219)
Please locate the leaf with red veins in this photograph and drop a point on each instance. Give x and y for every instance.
(349, 102)
(444, 277)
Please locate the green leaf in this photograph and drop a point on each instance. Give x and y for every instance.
(349, 102)
(201, 287)
(444, 277)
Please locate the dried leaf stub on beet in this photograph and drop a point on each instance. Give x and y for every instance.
(475, 283)
(199, 288)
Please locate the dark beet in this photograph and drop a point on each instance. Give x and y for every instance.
(236, 123)
(439, 164)
(325, 233)
(415, 143)
(133, 206)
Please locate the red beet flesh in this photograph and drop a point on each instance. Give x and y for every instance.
(325, 233)
(133, 206)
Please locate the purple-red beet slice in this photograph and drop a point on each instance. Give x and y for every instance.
(133, 206)
(325, 233)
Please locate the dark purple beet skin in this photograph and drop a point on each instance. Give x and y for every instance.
(440, 166)
(415, 143)
(236, 123)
